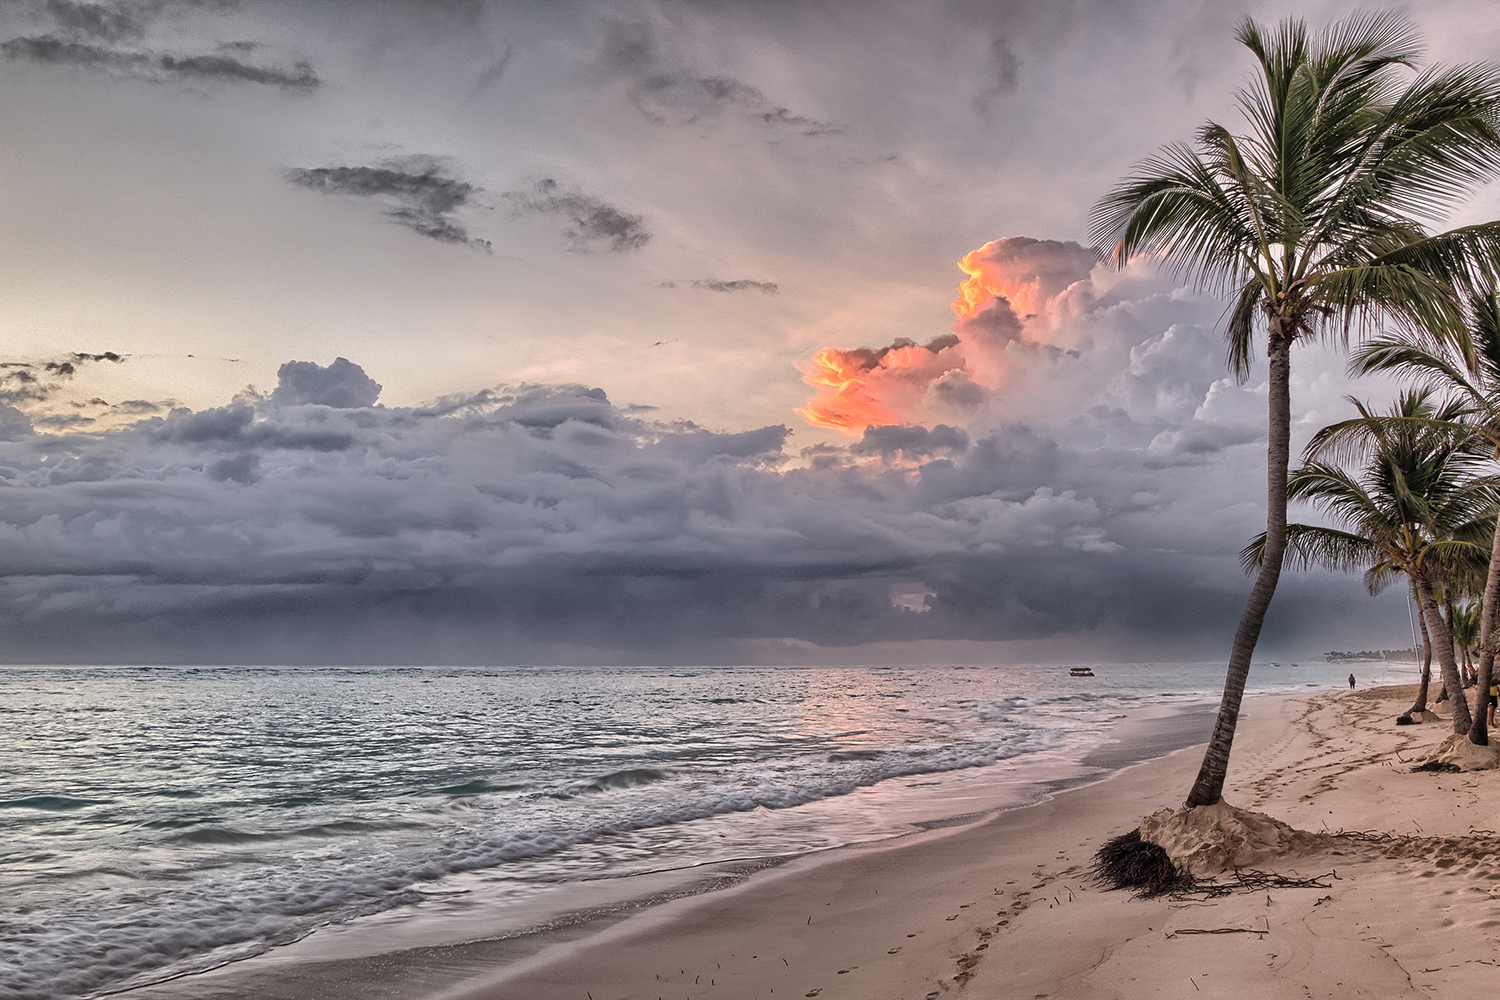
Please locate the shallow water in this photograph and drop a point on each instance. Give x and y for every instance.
(160, 820)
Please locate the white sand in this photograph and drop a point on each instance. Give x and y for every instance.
(1004, 909)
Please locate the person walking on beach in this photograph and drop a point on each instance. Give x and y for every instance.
(1494, 700)
(1351, 682)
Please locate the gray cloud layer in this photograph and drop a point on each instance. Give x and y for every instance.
(312, 523)
(676, 96)
(591, 224)
(93, 35)
(419, 195)
(734, 285)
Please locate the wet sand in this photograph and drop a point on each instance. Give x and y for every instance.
(1001, 905)
(394, 955)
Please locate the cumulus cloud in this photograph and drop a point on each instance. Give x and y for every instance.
(670, 94)
(910, 441)
(416, 193)
(591, 224)
(1021, 301)
(342, 384)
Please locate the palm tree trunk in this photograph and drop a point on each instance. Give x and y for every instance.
(1489, 614)
(1445, 605)
(1420, 705)
(1442, 638)
(1209, 786)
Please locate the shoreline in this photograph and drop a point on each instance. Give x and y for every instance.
(410, 957)
(1005, 907)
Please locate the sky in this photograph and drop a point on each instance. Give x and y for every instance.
(630, 332)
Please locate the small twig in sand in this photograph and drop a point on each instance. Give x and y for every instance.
(1218, 930)
(1195, 983)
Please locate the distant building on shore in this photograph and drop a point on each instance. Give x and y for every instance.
(1372, 656)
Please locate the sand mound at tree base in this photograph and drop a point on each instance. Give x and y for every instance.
(1458, 751)
(1210, 839)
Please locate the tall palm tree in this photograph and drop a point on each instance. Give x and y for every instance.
(1417, 510)
(1474, 376)
(1419, 704)
(1313, 222)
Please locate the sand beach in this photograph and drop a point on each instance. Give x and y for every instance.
(1003, 906)
(1006, 908)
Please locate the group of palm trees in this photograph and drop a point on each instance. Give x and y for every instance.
(1421, 503)
(1314, 222)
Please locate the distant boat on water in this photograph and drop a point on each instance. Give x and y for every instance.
(1080, 672)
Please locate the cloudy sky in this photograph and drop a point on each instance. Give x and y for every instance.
(716, 331)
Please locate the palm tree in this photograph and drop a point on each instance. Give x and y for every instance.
(1312, 222)
(1465, 627)
(1419, 705)
(1416, 510)
(1475, 377)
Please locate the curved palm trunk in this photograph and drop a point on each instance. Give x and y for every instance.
(1420, 705)
(1442, 638)
(1489, 614)
(1209, 785)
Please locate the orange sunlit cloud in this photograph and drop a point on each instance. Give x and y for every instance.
(1008, 281)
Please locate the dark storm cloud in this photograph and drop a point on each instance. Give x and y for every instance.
(672, 95)
(910, 441)
(158, 66)
(591, 224)
(418, 194)
(310, 523)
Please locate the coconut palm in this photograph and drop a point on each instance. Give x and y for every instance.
(1419, 705)
(1417, 509)
(1473, 375)
(1314, 221)
(1464, 623)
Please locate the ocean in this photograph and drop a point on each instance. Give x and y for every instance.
(167, 820)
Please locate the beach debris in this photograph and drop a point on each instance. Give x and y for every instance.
(1129, 862)
(1439, 766)
(1463, 755)
(1221, 930)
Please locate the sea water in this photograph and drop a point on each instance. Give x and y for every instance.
(158, 821)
